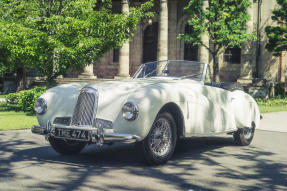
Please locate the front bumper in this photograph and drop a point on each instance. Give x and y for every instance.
(97, 135)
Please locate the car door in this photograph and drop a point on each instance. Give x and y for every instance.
(209, 110)
(220, 109)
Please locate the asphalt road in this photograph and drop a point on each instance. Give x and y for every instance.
(27, 162)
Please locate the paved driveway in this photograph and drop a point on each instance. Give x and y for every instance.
(27, 162)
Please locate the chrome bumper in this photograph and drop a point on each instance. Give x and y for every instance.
(98, 136)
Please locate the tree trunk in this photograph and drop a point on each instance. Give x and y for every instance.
(21, 78)
(215, 67)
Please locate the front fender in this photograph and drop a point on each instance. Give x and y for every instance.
(150, 101)
(61, 101)
(245, 110)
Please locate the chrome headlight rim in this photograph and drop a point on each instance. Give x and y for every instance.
(130, 111)
(40, 106)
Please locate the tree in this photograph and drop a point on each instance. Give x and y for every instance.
(224, 21)
(277, 35)
(54, 35)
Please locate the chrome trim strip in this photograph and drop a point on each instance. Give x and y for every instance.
(121, 136)
(209, 134)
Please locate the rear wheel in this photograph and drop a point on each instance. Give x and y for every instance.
(158, 147)
(244, 136)
(66, 147)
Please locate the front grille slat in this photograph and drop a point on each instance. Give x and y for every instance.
(86, 107)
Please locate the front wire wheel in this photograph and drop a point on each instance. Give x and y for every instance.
(245, 135)
(66, 147)
(158, 147)
(160, 137)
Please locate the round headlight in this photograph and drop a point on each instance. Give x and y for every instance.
(40, 106)
(130, 111)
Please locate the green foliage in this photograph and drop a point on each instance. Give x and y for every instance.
(277, 35)
(280, 89)
(53, 36)
(224, 21)
(277, 101)
(4, 57)
(25, 99)
(12, 98)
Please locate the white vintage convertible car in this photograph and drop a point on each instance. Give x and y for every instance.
(163, 102)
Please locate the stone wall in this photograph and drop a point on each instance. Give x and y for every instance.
(268, 64)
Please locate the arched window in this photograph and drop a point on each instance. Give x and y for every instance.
(190, 51)
(232, 55)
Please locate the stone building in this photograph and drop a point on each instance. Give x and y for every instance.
(157, 40)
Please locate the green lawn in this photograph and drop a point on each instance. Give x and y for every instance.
(275, 108)
(272, 105)
(2, 95)
(10, 118)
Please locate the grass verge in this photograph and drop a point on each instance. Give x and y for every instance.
(11, 118)
(274, 108)
(2, 95)
(272, 105)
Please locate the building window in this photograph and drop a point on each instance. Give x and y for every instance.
(232, 55)
(150, 43)
(116, 55)
(190, 51)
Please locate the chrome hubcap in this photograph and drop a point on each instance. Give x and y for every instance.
(161, 137)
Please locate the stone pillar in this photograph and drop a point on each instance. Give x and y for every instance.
(247, 52)
(172, 22)
(124, 60)
(162, 50)
(203, 52)
(88, 72)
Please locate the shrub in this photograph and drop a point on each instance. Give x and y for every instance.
(280, 89)
(12, 98)
(25, 99)
(277, 101)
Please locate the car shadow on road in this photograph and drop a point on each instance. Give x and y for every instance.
(193, 158)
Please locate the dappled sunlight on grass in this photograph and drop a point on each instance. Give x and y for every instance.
(12, 118)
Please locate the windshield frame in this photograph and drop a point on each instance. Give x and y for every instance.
(203, 72)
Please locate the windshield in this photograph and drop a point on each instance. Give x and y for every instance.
(175, 69)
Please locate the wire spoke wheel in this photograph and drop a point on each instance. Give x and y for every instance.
(245, 135)
(158, 146)
(161, 137)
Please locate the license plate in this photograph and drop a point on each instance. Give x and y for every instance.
(72, 134)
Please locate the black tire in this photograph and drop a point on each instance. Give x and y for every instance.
(244, 136)
(232, 86)
(145, 147)
(67, 147)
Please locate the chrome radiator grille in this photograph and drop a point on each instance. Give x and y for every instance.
(86, 107)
